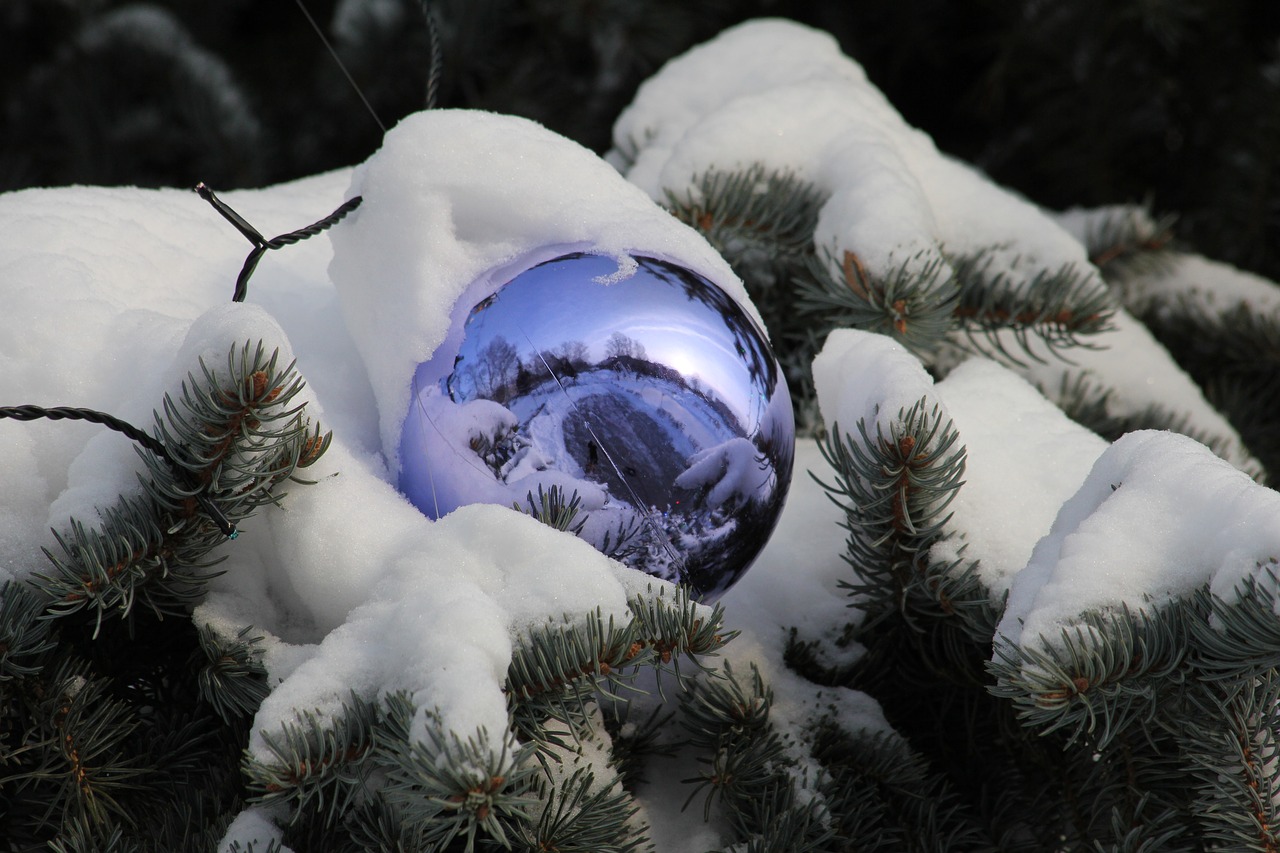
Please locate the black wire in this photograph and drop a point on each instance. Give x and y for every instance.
(262, 244)
(59, 413)
(433, 44)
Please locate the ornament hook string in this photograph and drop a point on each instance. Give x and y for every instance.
(337, 59)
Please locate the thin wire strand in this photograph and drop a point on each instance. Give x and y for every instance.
(338, 60)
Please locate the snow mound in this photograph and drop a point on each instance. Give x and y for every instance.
(776, 93)
(458, 202)
(1024, 457)
(780, 94)
(1158, 517)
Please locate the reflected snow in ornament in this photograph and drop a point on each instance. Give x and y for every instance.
(649, 393)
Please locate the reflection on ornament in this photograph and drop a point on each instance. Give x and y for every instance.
(649, 393)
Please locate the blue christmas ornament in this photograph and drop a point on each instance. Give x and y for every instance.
(648, 392)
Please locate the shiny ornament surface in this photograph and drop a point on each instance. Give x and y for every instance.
(641, 388)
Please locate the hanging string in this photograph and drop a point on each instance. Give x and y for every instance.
(338, 60)
(59, 413)
(262, 244)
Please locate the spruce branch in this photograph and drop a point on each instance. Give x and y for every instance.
(722, 706)
(581, 816)
(894, 491)
(451, 790)
(1061, 307)
(913, 304)
(232, 678)
(374, 825)
(318, 766)
(922, 306)
(729, 721)
(776, 821)
(78, 733)
(1129, 242)
(1105, 673)
(673, 628)
(554, 510)
(556, 670)
(123, 562)
(553, 657)
(631, 742)
(1142, 831)
(754, 217)
(1239, 638)
(231, 440)
(78, 835)
(25, 638)
(877, 788)
(1231, 737)
(746, 765)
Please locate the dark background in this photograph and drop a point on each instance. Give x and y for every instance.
(1073, 102)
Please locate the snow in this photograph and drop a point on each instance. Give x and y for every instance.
(450, 209)
(1213, 286)
(1139, 372)
(866, 377)
(113, 295)
(780, 94)
(1210, 285)
(253, 827)
(731, 466)
(1024, 457)
(1158, 517)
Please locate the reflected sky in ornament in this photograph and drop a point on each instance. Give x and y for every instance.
(652, 396)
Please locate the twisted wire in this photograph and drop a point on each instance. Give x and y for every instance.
(262, 244)
(433, 46)
(71, 413)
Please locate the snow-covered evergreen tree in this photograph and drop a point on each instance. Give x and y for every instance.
(1012, 608)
